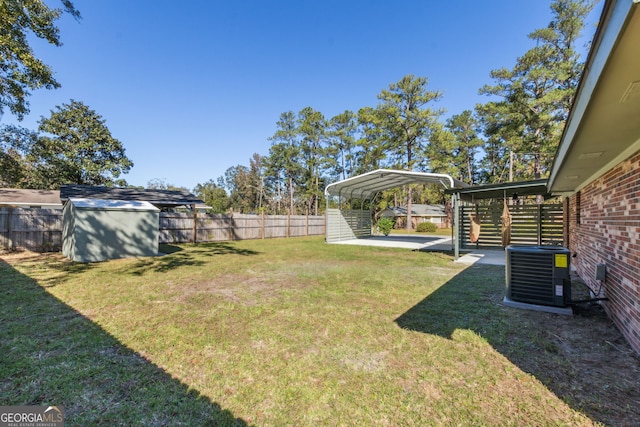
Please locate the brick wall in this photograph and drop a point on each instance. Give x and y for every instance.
(604, 227)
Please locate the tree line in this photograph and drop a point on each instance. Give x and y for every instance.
(514, 134)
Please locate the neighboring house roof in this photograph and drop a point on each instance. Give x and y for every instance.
(603, 127)
(24, 198)
(159, 198)
(416, 210)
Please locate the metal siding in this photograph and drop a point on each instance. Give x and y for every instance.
(347, 224)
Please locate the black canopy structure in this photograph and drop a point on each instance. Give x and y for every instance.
(504, 190)
(510, 190)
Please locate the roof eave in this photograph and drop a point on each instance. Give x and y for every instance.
(562, 179)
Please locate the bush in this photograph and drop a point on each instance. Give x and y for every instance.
(385, 225)
(427, 227)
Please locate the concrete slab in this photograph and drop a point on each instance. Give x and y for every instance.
(483, 256)
(429, 243)
(406, 241)
(535, 307)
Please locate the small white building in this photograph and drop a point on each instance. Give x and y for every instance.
(98, 229)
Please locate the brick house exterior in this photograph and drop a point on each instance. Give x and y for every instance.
(603, 227)
(597, 167)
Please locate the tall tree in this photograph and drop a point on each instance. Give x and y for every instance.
(407, 121)
(255, 189)
(213, 195)
(76, 147)
(283, 160)
(162, 184)
(341, 137)
(465, 129)
(535, 96)
(235, 181)
(440, 154)
(15, 142)
(20, 70)
(312, 131)
(371, 147)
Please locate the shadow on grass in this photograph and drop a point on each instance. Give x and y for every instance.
(53, 355)
(188, 255)
(582, 358)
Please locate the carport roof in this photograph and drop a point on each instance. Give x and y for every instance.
(369, 184)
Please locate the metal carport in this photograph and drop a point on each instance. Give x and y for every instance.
(344, 224)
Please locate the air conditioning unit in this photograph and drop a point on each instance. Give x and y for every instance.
(538, 275)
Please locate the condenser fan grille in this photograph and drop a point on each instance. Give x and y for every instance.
(538, 275)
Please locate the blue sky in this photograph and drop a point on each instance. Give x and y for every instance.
(193, 88)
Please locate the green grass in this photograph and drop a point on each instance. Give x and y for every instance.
(277, 333)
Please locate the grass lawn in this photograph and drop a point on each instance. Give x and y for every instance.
(288, 332)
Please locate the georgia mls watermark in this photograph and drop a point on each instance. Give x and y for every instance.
(31, 416)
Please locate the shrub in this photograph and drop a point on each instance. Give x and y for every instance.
(385, 225)
(427, 227)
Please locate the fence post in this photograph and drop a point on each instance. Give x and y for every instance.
(194, 227)
(307, 223)
(540, 224)
(10, 243)
(262, 225)
(288, 222)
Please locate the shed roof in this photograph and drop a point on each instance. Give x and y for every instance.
(159, 198)
(120, 205)
(369, 184)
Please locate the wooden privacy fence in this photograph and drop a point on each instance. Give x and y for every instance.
(178, 227)
(41, 229)
(531, 225)
(34, 229)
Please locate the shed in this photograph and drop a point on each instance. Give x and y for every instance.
(98, 230)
